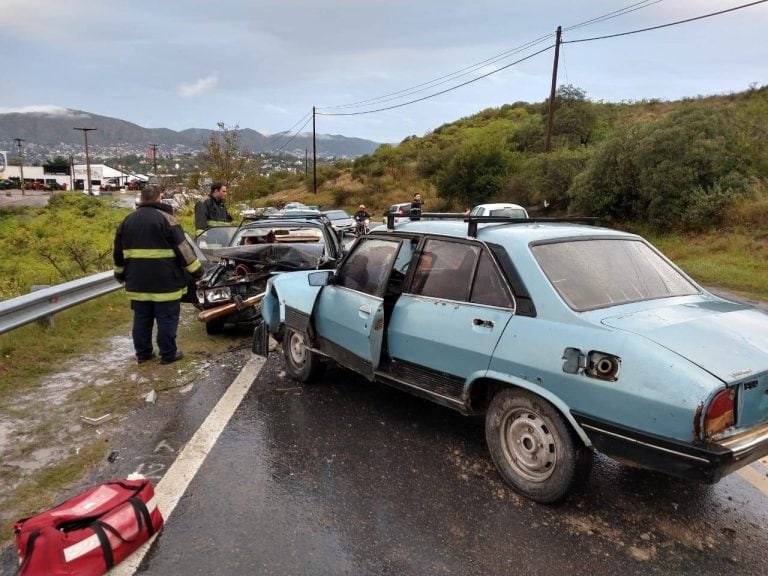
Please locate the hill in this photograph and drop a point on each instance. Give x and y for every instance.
(50, 132)
(687, 165)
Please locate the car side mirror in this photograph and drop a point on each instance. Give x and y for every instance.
(320, 278)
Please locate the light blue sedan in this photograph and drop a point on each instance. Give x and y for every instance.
(569, 338)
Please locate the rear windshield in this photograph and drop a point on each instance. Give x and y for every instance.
(591, 274)
(508, 212)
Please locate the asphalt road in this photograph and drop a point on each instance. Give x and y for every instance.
(349, 477)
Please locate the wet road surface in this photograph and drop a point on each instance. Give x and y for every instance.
(348, 477)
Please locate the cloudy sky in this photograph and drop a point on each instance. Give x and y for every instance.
(264, 64)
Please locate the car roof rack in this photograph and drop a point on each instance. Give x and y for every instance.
(473, 221)
(260, 217)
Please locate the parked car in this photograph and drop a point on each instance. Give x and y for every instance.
(401, 211)
(499, 209)
(294, 206)
(252, 253)
(341, 221)
(568, 338)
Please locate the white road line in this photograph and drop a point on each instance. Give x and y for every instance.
(754, 477)
(174, 483)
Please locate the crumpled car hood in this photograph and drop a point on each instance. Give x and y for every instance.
(291, 256)
(726, 339)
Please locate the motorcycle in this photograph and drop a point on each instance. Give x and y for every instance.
(362, 226)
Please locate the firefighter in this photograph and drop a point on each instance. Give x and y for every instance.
(152, 257)
(212, 211)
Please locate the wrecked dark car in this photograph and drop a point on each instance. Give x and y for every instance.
(240, 260)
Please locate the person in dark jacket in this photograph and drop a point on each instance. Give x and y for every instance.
(416, 205)
(153, 258)
(212, 211)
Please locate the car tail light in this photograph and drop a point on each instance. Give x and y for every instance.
(720, 414)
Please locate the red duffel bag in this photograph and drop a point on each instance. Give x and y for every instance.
(90, 533)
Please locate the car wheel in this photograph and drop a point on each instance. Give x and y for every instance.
(533, 447)
(301, 363)
(214, 327)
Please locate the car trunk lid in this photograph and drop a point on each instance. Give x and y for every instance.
(726, 339)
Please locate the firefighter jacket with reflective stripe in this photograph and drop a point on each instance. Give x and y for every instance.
(153, 256)
(210, 213)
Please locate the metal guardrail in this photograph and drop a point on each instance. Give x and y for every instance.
(43, 303)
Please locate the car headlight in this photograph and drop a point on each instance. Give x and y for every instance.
(214, 295)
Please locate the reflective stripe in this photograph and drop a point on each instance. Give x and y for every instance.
(156, 296)
(194, 266)
(215, 223)
(119, 269)
(149, 253)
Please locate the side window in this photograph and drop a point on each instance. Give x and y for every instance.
(489, 287)
(367, 268)
(445, 270)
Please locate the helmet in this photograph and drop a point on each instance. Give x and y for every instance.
(361, 207)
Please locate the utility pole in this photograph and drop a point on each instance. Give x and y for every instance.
(19, 145)
(314, 155)
(154, 148)
(306, 162)
(71, 173)
(550, 117)
(87, 158)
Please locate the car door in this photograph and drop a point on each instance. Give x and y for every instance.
(349, 314)
(446, 324)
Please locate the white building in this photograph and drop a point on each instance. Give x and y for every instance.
(101, 176)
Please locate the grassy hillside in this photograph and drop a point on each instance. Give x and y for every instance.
(693, 165)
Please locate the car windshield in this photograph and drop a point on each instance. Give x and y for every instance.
(337, 214)
(591, 274)
(508, 212)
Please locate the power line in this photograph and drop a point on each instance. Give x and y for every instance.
(442, 79)
(668, 24)
(492, 60)
(294, 136)
(441, 91)
(614, 14)
(305, 116)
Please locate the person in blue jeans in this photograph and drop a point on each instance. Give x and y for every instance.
(153, 258)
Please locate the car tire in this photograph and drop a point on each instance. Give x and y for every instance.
(214, 327)
(300, 362)
(534, 449)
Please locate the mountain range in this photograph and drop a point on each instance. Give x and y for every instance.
(53, 129)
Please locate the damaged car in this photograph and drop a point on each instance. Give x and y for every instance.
(568, 338)
(237, 273)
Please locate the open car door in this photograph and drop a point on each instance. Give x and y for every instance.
(349, 314)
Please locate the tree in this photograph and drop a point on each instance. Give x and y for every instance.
(477, 172)
(224, 159)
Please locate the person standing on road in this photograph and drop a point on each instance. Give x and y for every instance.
(152, 257)
(212, 211)
(416, 205)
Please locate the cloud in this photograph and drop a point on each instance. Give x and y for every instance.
(198, 87)
(48, 110)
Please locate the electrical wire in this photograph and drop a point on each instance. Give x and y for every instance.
(614, 14)
(442, 79)
(719, 12)
(294, 136)
(303, 118)
(492, 60)
(441, 91)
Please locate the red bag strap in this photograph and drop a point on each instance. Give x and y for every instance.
(28, 550)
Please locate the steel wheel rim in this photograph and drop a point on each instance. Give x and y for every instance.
(529, 445)
(298, 349)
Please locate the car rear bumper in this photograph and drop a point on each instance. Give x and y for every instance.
(707, 462)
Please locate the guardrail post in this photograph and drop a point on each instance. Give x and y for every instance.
(46, 321)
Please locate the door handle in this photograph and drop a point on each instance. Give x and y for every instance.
(365, 310)
(481, 322)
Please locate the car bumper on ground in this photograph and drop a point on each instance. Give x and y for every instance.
(706, 462)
